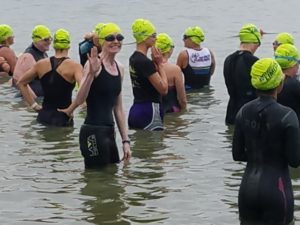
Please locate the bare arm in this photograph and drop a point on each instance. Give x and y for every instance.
(213, 63)
(179, 84)
(182, 60)
(121, 122)
(159, 79)
(23, 82)
(10, 57)
(24, 63)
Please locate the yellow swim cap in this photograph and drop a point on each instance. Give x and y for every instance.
(40, 32)
(164, 43)
(61, 39)
(142, 29)
(250, 34)
(196, 34)
(286, 55)
(266, 74)
(5, 32)
(107, 29)
(284, 38)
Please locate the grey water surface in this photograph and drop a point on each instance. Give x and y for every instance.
(183, 175)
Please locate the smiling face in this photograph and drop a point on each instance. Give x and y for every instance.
(113, 43)
(44, 44)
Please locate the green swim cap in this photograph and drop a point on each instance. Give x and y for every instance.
(61, 39)
(286, 55)
(5, 32)
(266, 74)
(164, 43)
(196, 34)
(107, 29)
(284, 38)
(250, 34)
(98, 27)
(40, 32)
(142, 29)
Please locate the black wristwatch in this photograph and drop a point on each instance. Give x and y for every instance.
(126, 141)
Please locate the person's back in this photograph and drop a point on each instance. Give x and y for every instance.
(267, 137)
(237, 68)
(175, 99)
(197, 63)
(58, 76)
(236, 71)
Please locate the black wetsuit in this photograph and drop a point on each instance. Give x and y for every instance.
(57, 95)
(267, 137)
(237, 67)
(290, 95)
(97, 134)
(35, 85)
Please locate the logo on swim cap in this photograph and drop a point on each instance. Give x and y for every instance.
(266, 74)
(61, 39)
(142, 29)
(40, 32)
(5, 32)
(164, 43)
(287, 55)
(196, 34)
(250, 34)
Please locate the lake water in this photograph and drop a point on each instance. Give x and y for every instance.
(183, 175)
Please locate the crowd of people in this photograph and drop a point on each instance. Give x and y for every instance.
(263, 104)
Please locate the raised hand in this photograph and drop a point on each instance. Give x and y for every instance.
(95, 61)
(156, 56)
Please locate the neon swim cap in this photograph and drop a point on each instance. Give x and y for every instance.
(284, 38)
(286, 55)
(266, 74)
(164, 43)
(61, 39)
(196, 34)
(142, 29)
(107, 29)
(98, 27)
(40, 32)
(5, 32)
(250, 34)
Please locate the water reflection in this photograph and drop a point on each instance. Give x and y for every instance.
(106, 204)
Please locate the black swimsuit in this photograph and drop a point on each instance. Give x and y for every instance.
(57, 94)
(97, 134)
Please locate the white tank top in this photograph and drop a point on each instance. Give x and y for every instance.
(199, 60)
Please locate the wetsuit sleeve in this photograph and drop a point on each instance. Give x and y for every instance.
(238, 143)
(292, 140)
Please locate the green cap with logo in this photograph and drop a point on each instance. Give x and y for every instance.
(250, 34)
(266, 74)
(142, 29)
(195, 33)
(61, 39)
